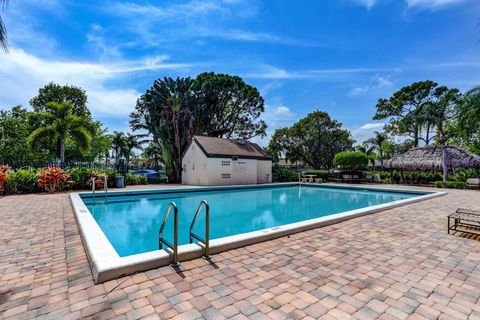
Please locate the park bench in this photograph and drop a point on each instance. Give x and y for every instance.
(464, 220)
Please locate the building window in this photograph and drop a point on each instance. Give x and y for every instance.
(225, 175)
(225, 163)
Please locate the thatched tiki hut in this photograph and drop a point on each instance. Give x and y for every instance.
(431, 158)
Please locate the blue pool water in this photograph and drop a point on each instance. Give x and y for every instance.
(131, 222)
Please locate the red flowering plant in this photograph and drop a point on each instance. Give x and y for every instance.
(3, 176)
(99, 179)
(53, 179)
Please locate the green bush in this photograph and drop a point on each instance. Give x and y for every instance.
(350, 160)
(131, 180)
(450, 184)
(281, 174)
(318, 173)
(157, 180)
(464, 174)
(22, 181)
(80, 177)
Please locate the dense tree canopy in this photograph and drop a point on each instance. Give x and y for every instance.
(404, 110)
(173, 110)
(59, 123)
(313, 140)
(53, 92)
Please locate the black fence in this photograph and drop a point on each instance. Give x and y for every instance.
(63, 165)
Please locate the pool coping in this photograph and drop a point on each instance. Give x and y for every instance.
(106, 264)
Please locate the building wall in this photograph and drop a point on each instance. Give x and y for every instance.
(264, 171)
(194, 166)
(225, 171)
(197, 169)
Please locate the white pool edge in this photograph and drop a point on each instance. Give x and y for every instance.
(106, 264)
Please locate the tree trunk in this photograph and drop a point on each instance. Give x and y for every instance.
(444, 162)
(62, 151)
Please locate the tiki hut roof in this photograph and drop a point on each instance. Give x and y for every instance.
(430, 158)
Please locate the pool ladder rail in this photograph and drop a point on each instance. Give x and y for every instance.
(105, 188)
(174, 247)
(206, 241)
(162, 241)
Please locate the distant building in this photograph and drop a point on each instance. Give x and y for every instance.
(212, 161)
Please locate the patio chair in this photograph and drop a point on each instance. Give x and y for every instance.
(464, 220)
(473, 183)
(318, 180)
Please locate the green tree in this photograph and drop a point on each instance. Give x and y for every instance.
(403, 109)
(131, 142)
(58, 124)
(379, 141)
(53, 92)
(118, 145)
(173, 110)
(165, 112)
(467, 126)
(314, 140)
(440, 113)
(368, 150)
(227, 107)
(14, 129)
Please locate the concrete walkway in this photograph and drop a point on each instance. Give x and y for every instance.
(395, 264)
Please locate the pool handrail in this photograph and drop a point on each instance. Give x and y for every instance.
(206, 241)
(162, 241)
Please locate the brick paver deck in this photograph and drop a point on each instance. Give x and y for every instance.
(395, 264)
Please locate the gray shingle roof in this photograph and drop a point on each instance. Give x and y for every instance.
(221, 148)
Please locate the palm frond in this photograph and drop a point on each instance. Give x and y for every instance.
(82, 137)
(40, 135)
(3, 29)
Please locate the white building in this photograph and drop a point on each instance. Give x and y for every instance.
(212, 161)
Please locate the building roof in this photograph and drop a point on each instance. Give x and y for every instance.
(221, 148)
(430, 157)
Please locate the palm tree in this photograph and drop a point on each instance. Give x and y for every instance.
(3, 30)
(368, 150)
(118, 145)
(131, 142)
(440, 113)
(59, 123)
(377, 141)
(469, 115)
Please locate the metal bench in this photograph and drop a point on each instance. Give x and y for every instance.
(464, 220)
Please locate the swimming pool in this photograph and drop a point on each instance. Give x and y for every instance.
(129, 222)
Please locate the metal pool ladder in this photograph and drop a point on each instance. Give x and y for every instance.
(162, 241)
(206, 241)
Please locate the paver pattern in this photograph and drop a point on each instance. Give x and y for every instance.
(396, 264)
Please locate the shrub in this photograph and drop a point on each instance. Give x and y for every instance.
(99, 180)
(131, 180)
(350, 160)
(281, 174)
(80, 177)
(318, 173)
(450, 184)
(53, 179)
(464, 174)
(22, 181)
(3, 176)
(157, 180)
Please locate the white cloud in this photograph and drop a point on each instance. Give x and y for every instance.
(283, 113)
(433, 4)
(377, 82)
(430, 4)
(22, 74)
(365, 131)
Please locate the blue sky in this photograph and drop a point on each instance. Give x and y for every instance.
(339, 56)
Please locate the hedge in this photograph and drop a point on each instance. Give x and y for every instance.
(450, 184)
(281, 174)
(350, 160)
(317, 173)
